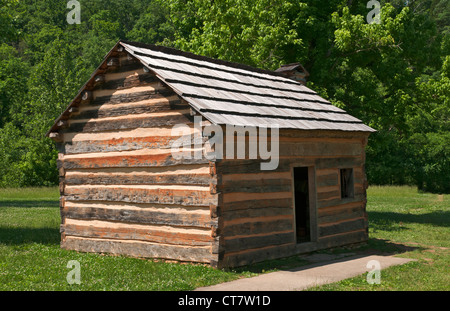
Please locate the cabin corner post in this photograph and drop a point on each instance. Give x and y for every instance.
(62, 174)
(217, 242)
(364, 142)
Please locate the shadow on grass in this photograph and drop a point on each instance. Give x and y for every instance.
(392, 221)
(323, 257)
(18, 236)
(29, 203)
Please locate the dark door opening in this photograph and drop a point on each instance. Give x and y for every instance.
(302, 217)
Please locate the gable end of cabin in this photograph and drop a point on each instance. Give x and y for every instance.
(122, 190)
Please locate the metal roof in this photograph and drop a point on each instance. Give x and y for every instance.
(229, 93)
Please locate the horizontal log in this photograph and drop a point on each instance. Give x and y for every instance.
(268, 225)
(127, 82)
(130, 122)
(244, 196)
(256, 186)
(329, 195)
(251, 242)
(140, 249)
(338, 201)
(131, 143)
(120, 144)
(250, 256)
(342, 226)
(113, 62)
(115, 160)
(149, 233)
(145, 106)
(342, 239)
(255, 204)
(340, 213)
(180, 195)
(99, 80)
(124, 67)
(260, 211)
(320, 149)
(123, 75)
(331, 179)
(133, 178)
(57, 137)
(249, 166)
(259, 177)
(360, 136)
(153, 88)
(339, 162)
(151, 216)
(71, 137)
(124, 97)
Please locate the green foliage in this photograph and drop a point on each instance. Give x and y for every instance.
(393, 75)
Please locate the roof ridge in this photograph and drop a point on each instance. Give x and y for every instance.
(171, 50)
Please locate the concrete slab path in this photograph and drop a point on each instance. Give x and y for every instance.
(301, 278)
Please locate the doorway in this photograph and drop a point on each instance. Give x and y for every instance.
(302, 205)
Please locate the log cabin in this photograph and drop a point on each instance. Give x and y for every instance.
(124, 190)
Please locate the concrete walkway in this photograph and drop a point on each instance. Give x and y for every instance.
(321, 272)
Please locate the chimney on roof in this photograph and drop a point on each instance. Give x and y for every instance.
(294, 71)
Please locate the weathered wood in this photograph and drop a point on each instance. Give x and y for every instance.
(150, 87)
(147, 106)
(260, 211)
(139, 249)
(86, 97)
(57, 137)
(319, 149)
(252, 242)
(113, 62)
(73, 109)
(340, 213)
(133, 97)
(256, 187)
(339, 201)
(243, 196)
(342, 239)
(156, 234)
(342, 226)
(127, 82)
(140, 216)
(259, 226)
(128, 144)
(329, 195)
(99, 80)
(331, 179)
(339, 162)
(250, 256)
(131, 122)
(82, 178)
(62, 124)
(248, 166)
(255, 204)
(128, 160)
(180, 195)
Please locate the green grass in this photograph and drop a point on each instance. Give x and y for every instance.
(31, 259)
(414, 225)
(401, 220)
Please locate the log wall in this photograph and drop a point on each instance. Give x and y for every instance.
(122, 190)
(257, 207)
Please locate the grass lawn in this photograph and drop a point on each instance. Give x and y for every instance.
(415, 225)
(401, 220)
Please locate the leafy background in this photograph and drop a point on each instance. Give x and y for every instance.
(395, 75)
